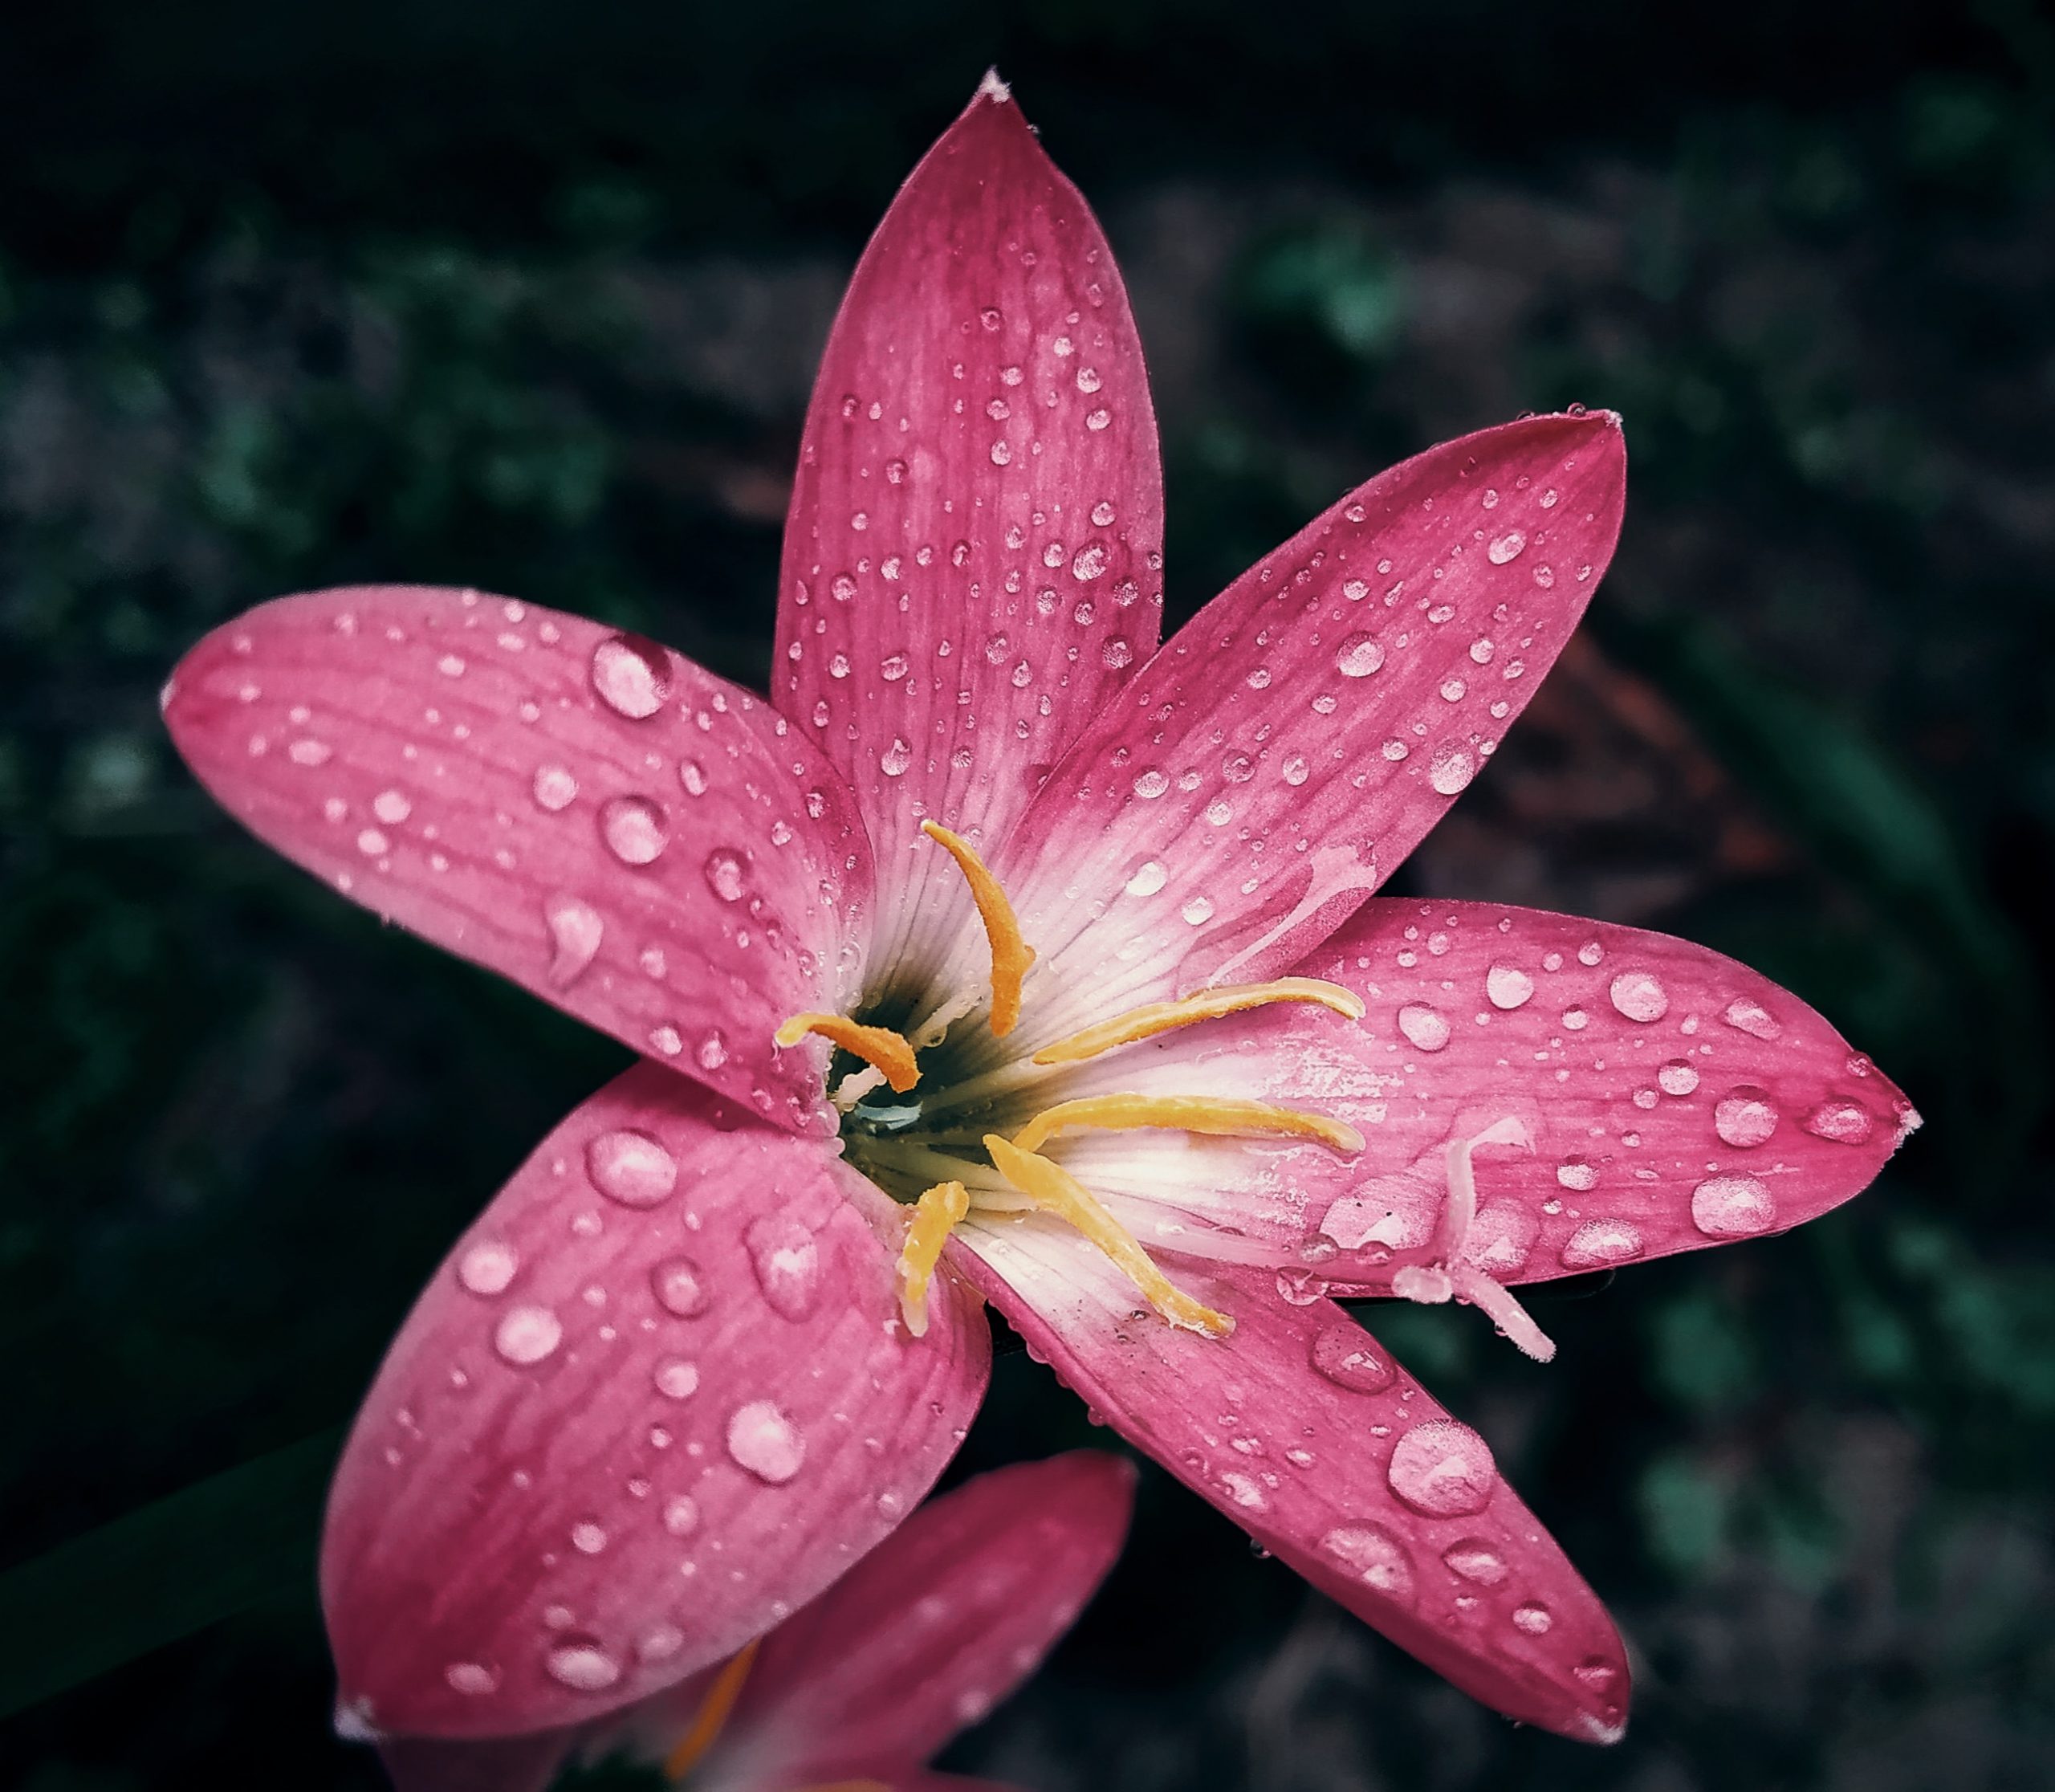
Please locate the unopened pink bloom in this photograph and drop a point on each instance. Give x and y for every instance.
(922, 1638)
(661, 1394)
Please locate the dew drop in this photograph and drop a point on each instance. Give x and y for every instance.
(1678, 1077)
(1089, 561)
(1640, 995)
(1443, 1469)
(1597, 1243)
(629, 1166)
(1451, 768)
(893, 761)
(1750, 1017)
(693, 776)
(1151, 784)
(1535, 1620)
(588, 1538)
(761, 1440)
(1505, 548)
(1358, 656)
(1426, 1028)
(528, 1334)
(681, 1515)
(633, 829)
(554, 787)
(1744, 1117)
(488, 1267)
(676, 1380)
(786, 1256)
(1347, 1356)
(472, 1679)
(1732, 1206)
(723, 873)
(1149, 877)
(632, 675)
(680, 1287)
(574, 932)
(1507, 986)
(1577, 1173)
(581, 1664)
(1375, 1555)
(1845, 1122)
(1475, 1561)
(391, 807)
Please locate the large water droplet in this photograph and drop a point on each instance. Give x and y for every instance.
(574, 932)
(1149, 877)
(723, 872)
(581, 1663)
(786, 1257)
(1505, 548)
(528, 1334)
(1347, 1356)
(1678, 1078)
(1732, 1206)
(488, 1267)
(1744, 1117)
(1476, 1560)
(764, 1441)
(633, 829)
(1443, 1469)
(676, 1380)
(1639, 995)
(1375, 1555)
(680, 1288)
(1506, 986)
(629, 1166)
(1750, 1017)
(1451, 768)
(1598, 1242)
(632, 675)
(1426, 1028)
(1358, 656)
(893, 761)
(1845, 1122)
(1536, 1620)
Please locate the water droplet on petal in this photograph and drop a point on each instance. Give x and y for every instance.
(588, 1538)
(1577, 1173)
(1507, 986)
(528, 1334)
(1347, 1356)
(1451, 768)
(786, 1256)
(488, 1267)
(1750, 1017)
(391, 807)
(681, 1515)
(1476, 1560)
(576, 930)
(1375, 1555)
(1536, 1620)
(724, 874)
(629, 1166)
(633, 829)
(693, 776)
(1744, 1117)
(470, 1678)
(1358, 656)
(681, 1289)
(676, 1380)
(1732, 1206)
(1149, 877)
(632, 675)
(1505, 548)
(1678, 1077)
(581, 1664)
(1426, 1027)
(1598, 1242)
(762, 1439)
(1639, 995)
(1845, 1122)
(555, 787)
(1443, 1469)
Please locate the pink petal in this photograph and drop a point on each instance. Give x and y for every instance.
(973, 560)
(657, 1398)
(1675, 1099)
(1285, 751)
(941, 1621)
(586, 812)
(1300, 1427)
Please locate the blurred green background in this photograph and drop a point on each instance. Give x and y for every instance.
(527, 296)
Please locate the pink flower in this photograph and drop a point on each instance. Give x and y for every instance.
(1002, 949)
(922, 1637)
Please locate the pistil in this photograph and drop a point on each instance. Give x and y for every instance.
(884, 1050)
(1206, 1005)
(1011, 954)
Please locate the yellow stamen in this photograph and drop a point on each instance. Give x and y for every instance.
(713, 1713)
(1011, 955)
(1219, 1117)
(878, 1046)
(1207, 1004)
(1054, 1190)
(935, 1216)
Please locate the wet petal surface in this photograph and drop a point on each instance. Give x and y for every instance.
(633, 1423)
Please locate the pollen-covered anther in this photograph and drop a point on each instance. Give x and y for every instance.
(1218, 1117)
(1011, 954)
(1448, 1275)
(1207, 1004)
(936, 1215)
(1055, 1191)
(880, 1047)
(712, 1717)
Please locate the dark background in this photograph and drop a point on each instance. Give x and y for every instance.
(527, 296)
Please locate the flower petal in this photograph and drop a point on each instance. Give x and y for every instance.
(973, 558)
(1300, 1428)
(1290, 745)
(584, 812)
(1672, 1098)
(657, 1398)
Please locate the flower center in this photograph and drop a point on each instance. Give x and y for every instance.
(975, 1144)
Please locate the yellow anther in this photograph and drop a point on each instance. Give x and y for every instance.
(1054, 1190)
(1011, 955)
(1219, 1116)
(877, 1046)
(713, 1713)
(935, 1216)
(1207, 1004)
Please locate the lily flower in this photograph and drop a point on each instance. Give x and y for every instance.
(1001, 953)
(860, 1690)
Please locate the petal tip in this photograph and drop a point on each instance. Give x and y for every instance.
(991, 87)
